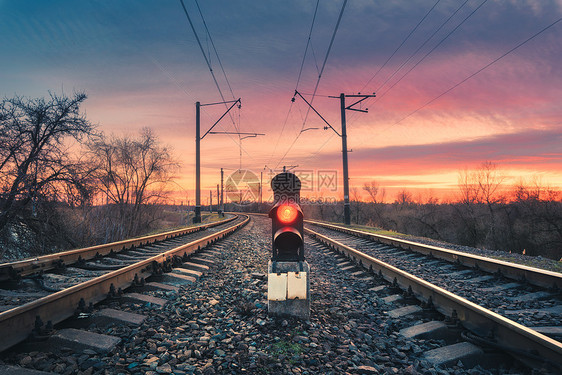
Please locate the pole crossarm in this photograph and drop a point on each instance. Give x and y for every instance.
(224, 114)
(315, 111)
(363, 97)
(227, 102)
(238, 133)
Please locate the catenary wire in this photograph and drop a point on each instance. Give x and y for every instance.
(307, 45)
(317, 82)
(422, 45)
(204, 54)
(480, 70)
(215, 49)
(433, 49)
(401, 44)
(327, 55)
(324, 144)
(377, 72)
(298, 81)
(353, 117)
(239, 143)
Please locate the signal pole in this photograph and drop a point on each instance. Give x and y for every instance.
(343, 136)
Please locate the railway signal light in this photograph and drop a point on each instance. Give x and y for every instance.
(287, 213)
(288, 287)
(287, 219)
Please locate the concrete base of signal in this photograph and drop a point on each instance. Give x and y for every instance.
(288, 289)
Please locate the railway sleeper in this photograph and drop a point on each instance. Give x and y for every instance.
(72, 334)
(456, 349)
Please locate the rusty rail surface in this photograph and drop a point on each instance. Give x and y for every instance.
(35, 265)
(16, 324)
(483, 322)
(535, 276)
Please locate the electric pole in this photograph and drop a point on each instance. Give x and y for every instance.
(222, 192)
(346, 206)
(198, 138)
(343, 136)
(197, 217)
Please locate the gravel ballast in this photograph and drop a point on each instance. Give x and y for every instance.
(220, 325)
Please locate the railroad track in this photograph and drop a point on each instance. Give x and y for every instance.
(221, 322)
(502, 304)
(33, 266)
(56, 287)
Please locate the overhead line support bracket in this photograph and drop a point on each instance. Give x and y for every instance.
(315, 111)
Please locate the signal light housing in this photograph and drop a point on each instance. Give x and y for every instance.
(288, 287)
(287, 219)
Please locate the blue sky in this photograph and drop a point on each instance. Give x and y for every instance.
(140, 65)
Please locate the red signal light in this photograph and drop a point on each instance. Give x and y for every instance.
(287, 213)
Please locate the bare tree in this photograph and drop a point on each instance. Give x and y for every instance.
(372, 188)
(35, 138)
(132, 173)
(404, 198)
(357, 204)
(489, 184)
(376, 194)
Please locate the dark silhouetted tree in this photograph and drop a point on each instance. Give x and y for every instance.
(36, 136)
(132, 174)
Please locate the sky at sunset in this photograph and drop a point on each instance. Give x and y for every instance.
(140, 65)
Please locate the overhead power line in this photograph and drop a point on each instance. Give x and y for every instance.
(329, 49)
(298, 79)
(204, 54)
(215, 49)
(421, 46)
(307, 44)
(433, 49)
(401, 44)
(208, 62)
(202, 49)
(380, 96)
(480, 70)
(318, 80)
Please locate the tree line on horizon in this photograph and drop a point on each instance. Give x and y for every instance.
(488, 213)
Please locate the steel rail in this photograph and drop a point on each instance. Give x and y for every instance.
(17, 324)
(535, 276)
(477, 319)
(35, 265)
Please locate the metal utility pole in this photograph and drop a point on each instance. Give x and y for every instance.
(218, 201)
(210, 201)
(197, 217)
(198, 138)
(343, 136)
(346, 206)
(222, 192)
